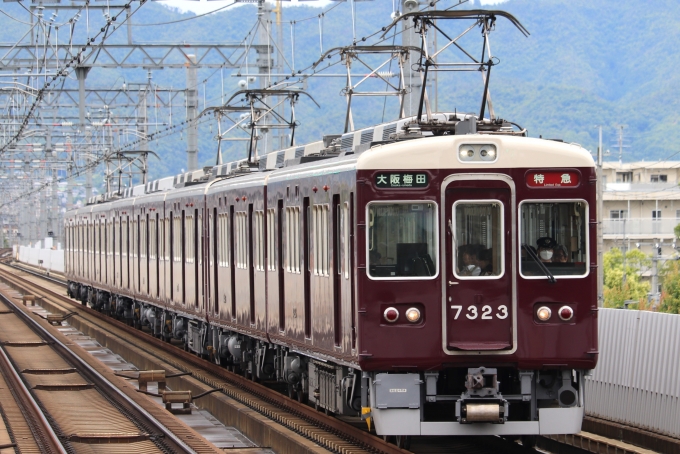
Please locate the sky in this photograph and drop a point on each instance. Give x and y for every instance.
(208, 6)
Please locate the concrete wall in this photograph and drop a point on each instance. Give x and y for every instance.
(51, 255)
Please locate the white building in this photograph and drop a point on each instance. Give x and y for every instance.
(641, 205)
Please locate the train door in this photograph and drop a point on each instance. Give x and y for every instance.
(479, 306)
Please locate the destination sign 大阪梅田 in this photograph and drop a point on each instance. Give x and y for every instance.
(401, 180)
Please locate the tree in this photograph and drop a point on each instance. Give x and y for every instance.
(616, 292)
(670, 289)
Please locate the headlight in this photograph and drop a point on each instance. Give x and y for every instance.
(543, 313)
(466, 154)
(413, 315)
(487, 153)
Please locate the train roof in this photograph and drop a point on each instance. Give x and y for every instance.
(443, 153)
(389, 145)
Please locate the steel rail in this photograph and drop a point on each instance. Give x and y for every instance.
(45, 436)
(309, 414)
(170, 439)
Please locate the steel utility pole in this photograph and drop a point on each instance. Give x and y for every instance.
(192, 111)
(409, 37)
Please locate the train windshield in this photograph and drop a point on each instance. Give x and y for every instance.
(554, 239)
(402, 240)
(479, 239)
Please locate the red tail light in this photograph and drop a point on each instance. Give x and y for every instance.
(391, 314)
(566, 313)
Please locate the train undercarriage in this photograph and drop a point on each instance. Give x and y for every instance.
(454, 401)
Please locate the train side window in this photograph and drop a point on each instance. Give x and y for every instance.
(223, 235)
(259, 240)
(125, 238)
(133, 238)
(402, 240)
(554, 233)
(189, 234)
(293, 239)
(320, 236)
(478, 242)
(142, 238)
(177, 239)
(152, 238)
(345, 238)
(271, 245)
(241, 239)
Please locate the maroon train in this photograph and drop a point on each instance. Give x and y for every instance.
(393, 272)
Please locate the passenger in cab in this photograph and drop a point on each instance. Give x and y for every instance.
(560, 254)
(467, 258)
(484, 261)
(546, 246)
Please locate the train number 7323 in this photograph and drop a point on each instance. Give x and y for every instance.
(487, 312)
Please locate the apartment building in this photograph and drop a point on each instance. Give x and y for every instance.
(641, 205)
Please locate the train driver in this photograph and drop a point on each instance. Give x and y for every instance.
(546, 246)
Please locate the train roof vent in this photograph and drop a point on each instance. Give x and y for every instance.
(329, 138)
(138, 190)
(347, 141)
(366, 136)
(262, 164)
(164, 184)
(189, 178)
(279, 159)
(221, 170)
(299, 152)
(389, 129)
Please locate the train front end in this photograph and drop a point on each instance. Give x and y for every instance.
(477, 299)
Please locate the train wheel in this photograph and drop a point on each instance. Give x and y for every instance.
(402, 441)
(301, 396)
(528, 441)
(291, 391)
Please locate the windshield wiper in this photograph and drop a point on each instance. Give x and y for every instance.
(541, 265)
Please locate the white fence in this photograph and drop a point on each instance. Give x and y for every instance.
(637, 379)
(43, 254)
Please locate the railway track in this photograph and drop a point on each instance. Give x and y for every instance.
(27, 428)
(71, 405)
(329, 432)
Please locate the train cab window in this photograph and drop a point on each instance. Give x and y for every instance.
(554, 239)
(478, 240)
(402, 240)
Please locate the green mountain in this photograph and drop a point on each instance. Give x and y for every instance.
(585, 63)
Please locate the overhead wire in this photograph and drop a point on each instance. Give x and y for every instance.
(15, 19)
(65, 72)
(170, 129)
(186, 18)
